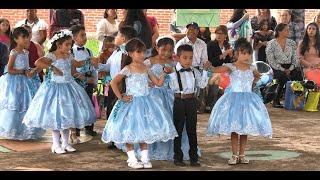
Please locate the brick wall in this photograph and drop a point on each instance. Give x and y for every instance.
(92, 16)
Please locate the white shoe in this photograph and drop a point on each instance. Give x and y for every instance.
(69, 148)
(57, 150)
(147, 165)
(135, 165)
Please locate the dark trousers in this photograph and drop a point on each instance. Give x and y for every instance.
(89, 90)
(185, 111)
(282, 78)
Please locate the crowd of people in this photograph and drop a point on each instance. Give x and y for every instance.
(154, 86)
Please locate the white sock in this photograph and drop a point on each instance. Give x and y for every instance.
(131, 156)
(55, 138)
(144, 156)
(65, 137)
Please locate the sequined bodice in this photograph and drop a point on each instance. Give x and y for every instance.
(137, 84)
(65, 67)
(22, 61)
(241, 80)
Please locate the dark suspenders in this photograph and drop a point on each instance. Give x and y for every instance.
(179, 79)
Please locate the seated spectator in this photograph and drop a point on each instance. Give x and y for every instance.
(309, 47)
(260, 39)
(205, 34)
(283, 59)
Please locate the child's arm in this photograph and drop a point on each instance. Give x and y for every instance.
(155, 80)
(220, 69)
(74, 72)
(45, 63)
(115, 85)
(257, 75)
(78, 64)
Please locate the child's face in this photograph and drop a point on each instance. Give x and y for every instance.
(4, 26)
(137, 56)
(185, 59)
(22, 41)
(65, 46)
(244, 57)
(119, 39)
(81, 38)
(265, 26)
(165, 51)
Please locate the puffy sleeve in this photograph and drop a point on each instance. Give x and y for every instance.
(13, 52)
(50, 56)
(230, 66)
(147, 63)
(125, 71)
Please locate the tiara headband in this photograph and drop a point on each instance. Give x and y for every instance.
(174, 41)
(57, 36)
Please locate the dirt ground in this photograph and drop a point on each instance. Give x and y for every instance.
(294, 131)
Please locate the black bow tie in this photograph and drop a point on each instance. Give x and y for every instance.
(185, 69)
(80, 48)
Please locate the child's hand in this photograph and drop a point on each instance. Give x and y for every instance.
(151, 84)
(79, 76)
(28, 73)
(230, 52)
(57, 71)
(126, 98)
(95, 62)
(207, 65)
(168, 70)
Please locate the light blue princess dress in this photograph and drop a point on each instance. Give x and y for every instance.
(60, 102)
(143, 119)
(163, 150)
(239, 109)
(16, 93)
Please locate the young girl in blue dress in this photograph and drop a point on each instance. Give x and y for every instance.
(17, 91)
(240, 111)
(60, 103)
(162, 58)
(137, 117)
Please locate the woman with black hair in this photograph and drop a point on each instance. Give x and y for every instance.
(260, 39)
(137, 19)
(108, 26)
(309, 48)
(204, 34)
(239, 26)
(282, 57)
